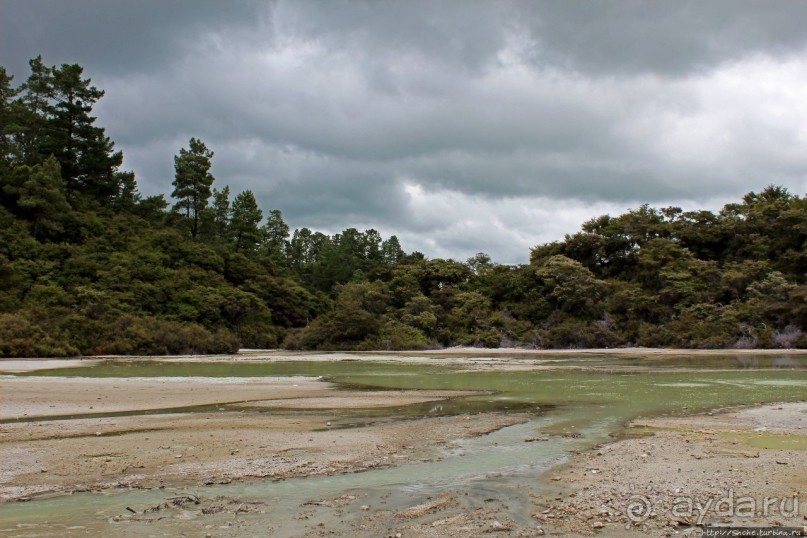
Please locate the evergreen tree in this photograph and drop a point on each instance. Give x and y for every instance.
(244, 219)
(391, 251)
(192, 183)
(58, 102)
(84, 151)
(300, 249)
(35, 100)
(40, 196)
(9, 122)
(276, 235)
(126, 196)
(372, 245)
(221, 213)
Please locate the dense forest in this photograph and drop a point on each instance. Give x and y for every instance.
(90, 266)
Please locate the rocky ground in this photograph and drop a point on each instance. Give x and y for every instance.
(680, 474)
(669, 477)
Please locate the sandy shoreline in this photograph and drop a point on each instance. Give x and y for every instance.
(28, 397)
(449, 356)
(217, 444)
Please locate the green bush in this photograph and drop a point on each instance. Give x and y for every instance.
(21, 338)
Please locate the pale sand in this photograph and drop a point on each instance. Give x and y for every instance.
(23, 397)
(30, 365)
(218, 445)
(452, 355)
(51, 396)
(204, 448)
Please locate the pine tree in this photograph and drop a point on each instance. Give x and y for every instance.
(127, 195)
(221, 213)
(276, 235)
(244, 220)
(88, 160)
(40, 196)
(35, 101)
(391, 251)
(9, 122)
(192, 182)
(58, 103)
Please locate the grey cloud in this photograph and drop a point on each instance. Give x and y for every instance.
(596, 37)
(512, 120)
(113, 36)
(665, 37)
(593, 37)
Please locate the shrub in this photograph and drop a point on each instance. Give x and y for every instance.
(21, 338)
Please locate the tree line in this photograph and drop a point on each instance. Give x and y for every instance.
(90, 266)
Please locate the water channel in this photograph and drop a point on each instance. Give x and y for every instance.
(592, 396)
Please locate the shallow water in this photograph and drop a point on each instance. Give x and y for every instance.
(589, 397)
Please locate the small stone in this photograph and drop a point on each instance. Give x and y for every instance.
(598, 525)
(365, 507)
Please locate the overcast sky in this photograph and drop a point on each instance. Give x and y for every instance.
(459, 126)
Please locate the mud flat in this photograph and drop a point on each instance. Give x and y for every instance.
(43, 450)
(26, 398)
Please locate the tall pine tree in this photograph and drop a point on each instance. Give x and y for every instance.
(245, 217)
(9, 122)
(59, 103)
(192, 183)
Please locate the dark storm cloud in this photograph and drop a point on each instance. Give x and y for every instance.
(113, 36)
(452, 124)
(593, 36)
(674, 38)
